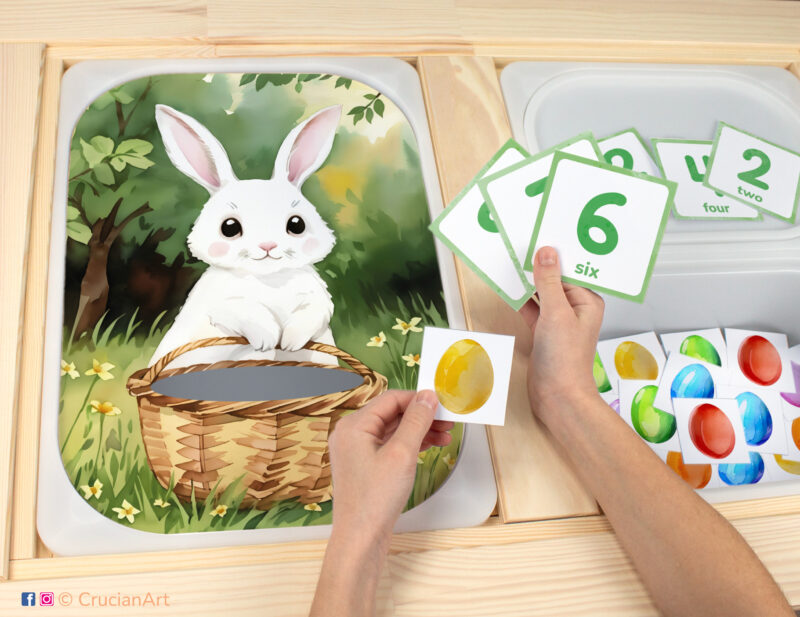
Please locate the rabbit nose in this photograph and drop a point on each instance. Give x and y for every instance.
(267, 246)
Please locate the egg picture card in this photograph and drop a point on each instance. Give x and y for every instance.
(792, 428)
(611, 399)
(755, 171)
(762, 418)
(686, 377)
(685, 162)
(701, 476)
(707, 345)
(759, 359)
(468, 229)
(628, 150)
(638, 356)
(604, 386)
(710, 431)
(470, 373)
(515, 194)
(737, 474)
(606, 224)
(654, 425)
(781, 468)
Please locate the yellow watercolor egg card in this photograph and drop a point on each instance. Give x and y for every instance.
(470, 373)
(606, 224)
(628, 150)
(515, 194)
(638, 357)
(685, 162)
(755, 171)
(467, 227)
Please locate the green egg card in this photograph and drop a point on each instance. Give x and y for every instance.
(628, 150)
(605, 222)
(755, 171)
(467, 226)
(707, 345)
(515, 194)
(655, 425)
(685, 162)
(638, 357)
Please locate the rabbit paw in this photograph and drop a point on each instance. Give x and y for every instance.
(261, 337)
(260, 330)
(296, 333)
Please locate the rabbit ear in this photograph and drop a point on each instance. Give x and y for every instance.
(307, 146)
(193, 149)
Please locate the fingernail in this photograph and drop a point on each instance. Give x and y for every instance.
(428, 399)
(547, 256)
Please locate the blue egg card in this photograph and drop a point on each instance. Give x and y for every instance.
(762, 417)
(687, 377)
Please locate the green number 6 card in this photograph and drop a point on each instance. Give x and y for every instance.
(606, 224)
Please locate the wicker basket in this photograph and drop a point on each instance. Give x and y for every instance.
(279, 448)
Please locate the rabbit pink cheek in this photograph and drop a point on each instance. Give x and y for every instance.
(218, 249)
(310, 245)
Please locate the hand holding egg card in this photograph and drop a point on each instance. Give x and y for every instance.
(637, 406)
(685, 162)
(707, 345)
(686, 377)
(515, 194)
(468, 229)
(759, 359)
(628, 150)
(605, 222)
(755, 172)
(470, 373)
(638, 357)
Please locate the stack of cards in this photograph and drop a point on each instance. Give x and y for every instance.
(604, 204)
(719, 410)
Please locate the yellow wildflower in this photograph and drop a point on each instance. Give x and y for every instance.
(411, 359)
(101, 370)
(377, 341)
(313, 507)
(161, 503)
(68, 368)
(219, 511)
(405, 328)
(94, 490)
(107, 408)
(126, 511)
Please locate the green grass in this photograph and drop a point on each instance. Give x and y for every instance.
(110, 448)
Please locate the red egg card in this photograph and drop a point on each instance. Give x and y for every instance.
(710, 431)
(759, 359)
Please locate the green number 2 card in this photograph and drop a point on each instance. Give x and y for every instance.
(755, 171)
(605, 222)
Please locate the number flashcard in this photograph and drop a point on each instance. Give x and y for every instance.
(755, 171)
(638, 357)
(515, 194)
(627, 149)
(706, 345)
(710, 431)
(605, 222)
(685, 162)
(762, 417)
(468, 228)
(685, 377)
(759, 360)
(655, 425)
(470, 373)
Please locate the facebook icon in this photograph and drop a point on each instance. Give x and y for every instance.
(28, 598)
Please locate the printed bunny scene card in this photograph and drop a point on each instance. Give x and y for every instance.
(247, 260)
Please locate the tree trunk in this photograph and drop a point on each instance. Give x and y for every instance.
(94, 289)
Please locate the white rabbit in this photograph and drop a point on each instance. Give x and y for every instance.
(259, 239)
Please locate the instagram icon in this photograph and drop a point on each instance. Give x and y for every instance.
(46, 598)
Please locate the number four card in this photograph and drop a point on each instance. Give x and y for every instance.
(606, 224)
(467, 227)
(685, 162)
(754, 171)
(515, 194)
(627, 149)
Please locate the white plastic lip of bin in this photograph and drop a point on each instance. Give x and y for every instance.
(66, 523)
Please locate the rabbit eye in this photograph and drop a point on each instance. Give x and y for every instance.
(295, 225)
(231, 228)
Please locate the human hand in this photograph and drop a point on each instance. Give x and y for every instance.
(374, 460)
(565, 327)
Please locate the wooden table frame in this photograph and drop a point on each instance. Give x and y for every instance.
(557, 566)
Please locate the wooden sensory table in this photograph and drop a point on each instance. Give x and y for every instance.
(548, 551)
